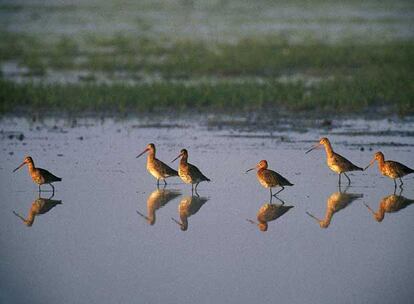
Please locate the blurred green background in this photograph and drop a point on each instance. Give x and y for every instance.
(141, 56)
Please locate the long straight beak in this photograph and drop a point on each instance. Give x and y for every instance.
(312, 216)
(177, 222)
(19, 167)
(369, 208)
(145, 217)
(142, 153)
(250, 170)
(19, 216)
(252, 222)
(372, 161)
(176, 158)
(313, 148)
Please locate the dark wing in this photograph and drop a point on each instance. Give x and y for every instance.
(47, 204)
(196, 204)
(345, 199)
(164, 169)
(196, 173)
(345, 163)
(400, 168)
(49, 177)
(167, 196)
(273, 212)
(280, 210)
(276, 178)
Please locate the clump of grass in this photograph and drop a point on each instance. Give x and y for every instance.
(354, 76)
(341, 95)
(267, 57)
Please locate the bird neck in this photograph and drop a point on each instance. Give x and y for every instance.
(151, 155)
(30, 219)
(328, 217)
(260, 171)
(31, 167)
(380, 214)
(381, 163)
(328, 149)
(184, 222)
(151, 215)
(184, 159)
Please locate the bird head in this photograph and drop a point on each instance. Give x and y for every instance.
(27, 160)
(149, 147)
(183, 153)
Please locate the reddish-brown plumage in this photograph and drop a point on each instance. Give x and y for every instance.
(39, 176)
(189, 173)
(155, 167)
(390, 168)
(269, 178)
(336, 162)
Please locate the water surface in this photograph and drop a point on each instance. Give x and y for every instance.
(94, 247)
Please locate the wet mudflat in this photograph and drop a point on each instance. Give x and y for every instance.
(92, 246)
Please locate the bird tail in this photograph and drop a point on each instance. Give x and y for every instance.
(172, 172)
(59, 179)
(206, 179)
(356, 168)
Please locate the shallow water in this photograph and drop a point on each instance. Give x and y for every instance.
(95, 247)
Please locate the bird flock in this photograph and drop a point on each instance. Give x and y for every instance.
(190, 174)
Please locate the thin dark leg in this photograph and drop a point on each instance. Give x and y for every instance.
(196, 193)
(165, 182)
(280, 200)
(196, 187)
(395, 184)
(339, 181)
(53, 189)
(40, 189)
(271, 194)
(401, 183)
(283, 188)
(349, 180)
(158, 182)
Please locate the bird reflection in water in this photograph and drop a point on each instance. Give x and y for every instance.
(389, 204)
(189, 206)
(156, 200)
(336, 202)
(39, 206)
(269, 212)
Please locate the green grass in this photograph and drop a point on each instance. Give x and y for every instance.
(353, 76)
(340, 96)
(265, 57)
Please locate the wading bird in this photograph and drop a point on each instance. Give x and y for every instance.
(39, 206)
(390, 168)
(336, 202)
(189, 173)
(269, 178)
(39, 176)
(390, 204)
(189, 206)
(157, 168)
(336, 162)
(156, 200)
(269, 212)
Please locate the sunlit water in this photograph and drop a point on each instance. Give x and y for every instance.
(95, 247)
